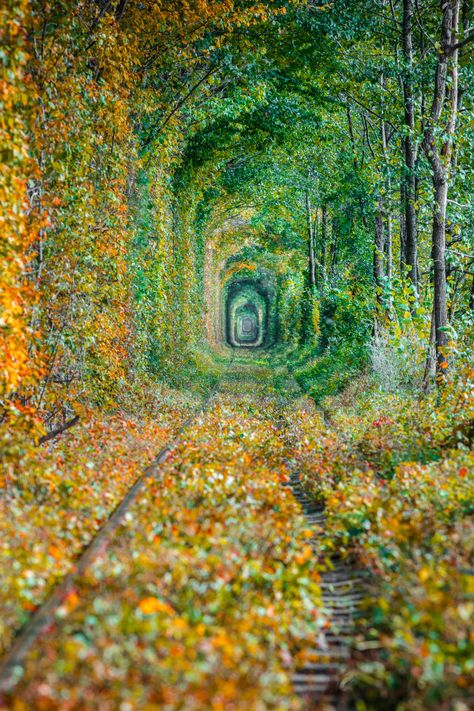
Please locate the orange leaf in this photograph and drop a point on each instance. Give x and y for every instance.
(151, 605)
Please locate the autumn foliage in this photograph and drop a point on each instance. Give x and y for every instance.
(398, 492)
(209, 598)
(156, 157)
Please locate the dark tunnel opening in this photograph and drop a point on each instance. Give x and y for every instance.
(248, 314)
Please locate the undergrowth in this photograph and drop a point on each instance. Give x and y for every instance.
(395, 469)
(341, 348)
(54, 497)
(209, 597)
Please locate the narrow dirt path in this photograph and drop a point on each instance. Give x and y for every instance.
(210, 594)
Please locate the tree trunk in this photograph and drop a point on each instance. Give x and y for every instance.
(311, 259)
(429, 355)
(379, 249)
(307, 330)
(439, 266)
(440, 161)
(333, 252)
(409, 194)
(403, 232)
(387, 204)
(324, 239)
(352, 137)
(388, 246)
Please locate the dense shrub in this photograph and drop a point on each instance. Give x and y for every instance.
(342, 349)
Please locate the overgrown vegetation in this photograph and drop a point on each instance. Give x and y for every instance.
(396, 473)
(220, 600)
(54, 500)
(312, 158)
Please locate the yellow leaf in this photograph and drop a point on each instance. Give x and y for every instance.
(424, 574)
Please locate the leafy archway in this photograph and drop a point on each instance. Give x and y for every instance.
(246, 314)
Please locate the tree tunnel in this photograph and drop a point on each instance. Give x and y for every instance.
(247, 325)
(241, 282)
(248, 313)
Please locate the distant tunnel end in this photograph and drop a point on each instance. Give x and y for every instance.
(248, 314)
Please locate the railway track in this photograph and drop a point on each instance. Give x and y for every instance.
(319, 682)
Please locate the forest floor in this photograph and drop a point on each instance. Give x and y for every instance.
(230, 582)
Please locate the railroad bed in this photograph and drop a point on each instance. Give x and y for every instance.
(320, 681)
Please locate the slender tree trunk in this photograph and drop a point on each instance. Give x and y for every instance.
(429, 355)
(333, 250)
(387, 202)
(379, 249)
(317, 263)
(307, 330)
(410, 256)
(388, 246)
(403, 232)
(352, 137)
(324, 239)
(440, 160)
(311, 258)
(439, 263)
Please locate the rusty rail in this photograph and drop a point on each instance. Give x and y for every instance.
(11, 665)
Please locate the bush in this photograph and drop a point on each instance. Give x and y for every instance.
(343, 347)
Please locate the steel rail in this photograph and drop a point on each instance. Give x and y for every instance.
(11, 664)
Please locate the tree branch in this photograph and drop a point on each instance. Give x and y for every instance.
(180, 103)
(59, 430)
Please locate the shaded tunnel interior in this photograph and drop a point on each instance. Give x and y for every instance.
(248, 313)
